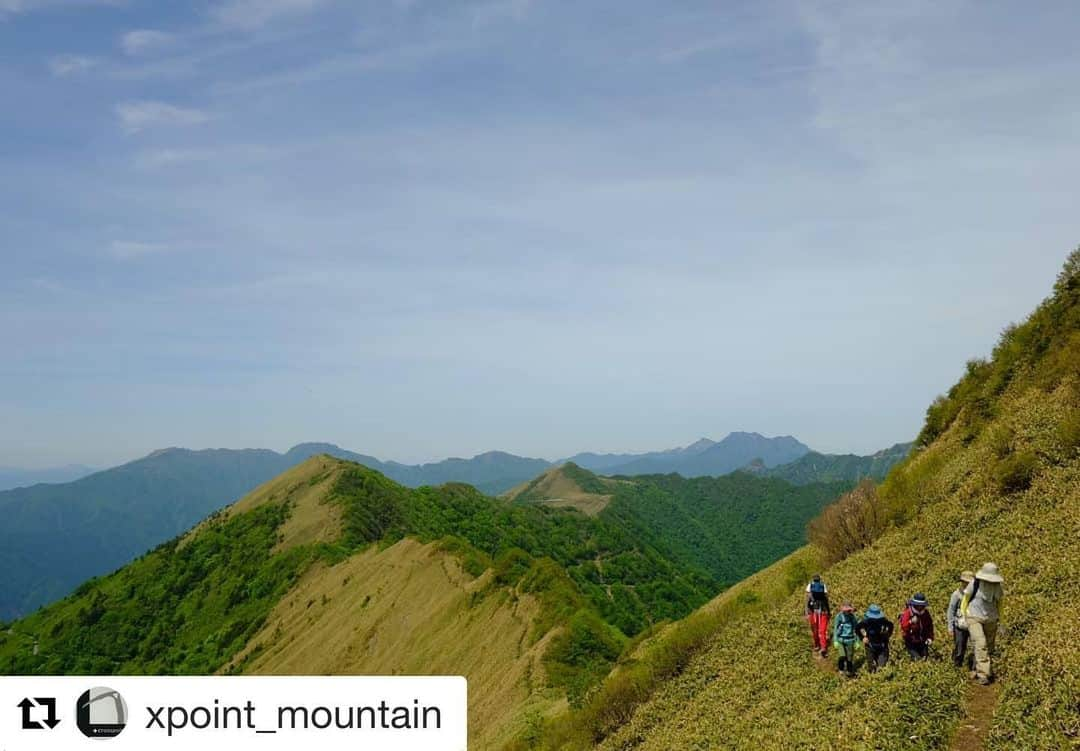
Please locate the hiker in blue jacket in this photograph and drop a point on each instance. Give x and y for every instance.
(875, 630)
(845, 638)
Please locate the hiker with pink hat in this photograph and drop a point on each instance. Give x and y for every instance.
(982, 610)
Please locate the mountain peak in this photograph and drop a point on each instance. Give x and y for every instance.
(565, 486)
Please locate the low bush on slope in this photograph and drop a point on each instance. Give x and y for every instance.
(997, 478)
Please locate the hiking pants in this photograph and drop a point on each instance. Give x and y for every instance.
(917, 651)
(847, 658)
(960, 645)
(982, 636)
(819, 629)
(877, 657)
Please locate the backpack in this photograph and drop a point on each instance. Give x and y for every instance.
(845, 628)
(911, 626)
(817, 589)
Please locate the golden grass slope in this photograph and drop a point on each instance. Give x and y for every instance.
(306, 487)
(410, 609)
(557, 489)
(755, 685)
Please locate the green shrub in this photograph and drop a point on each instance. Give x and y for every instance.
(511, 566)
(1015, 473)
(850, 524)
(581, 654)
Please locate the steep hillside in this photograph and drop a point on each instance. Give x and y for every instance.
(849, 468)
(411, 609)
(734, 451)
(996, 477)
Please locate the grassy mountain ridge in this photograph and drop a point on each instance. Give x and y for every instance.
(996, 477)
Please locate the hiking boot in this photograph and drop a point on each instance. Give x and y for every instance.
(982, 680)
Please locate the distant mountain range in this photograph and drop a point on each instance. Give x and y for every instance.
(55, 536)
(703, 458)
(15, 477)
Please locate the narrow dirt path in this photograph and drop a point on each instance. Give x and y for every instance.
(978, 712)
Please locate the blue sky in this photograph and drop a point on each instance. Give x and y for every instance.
(422, 228)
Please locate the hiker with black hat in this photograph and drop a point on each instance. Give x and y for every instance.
(817, 614)
(954, 616)
(982, 609)
(875, 630)
(845, 638)
(917, 627)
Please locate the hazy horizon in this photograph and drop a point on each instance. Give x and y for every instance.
(426, 230)
(429, 460)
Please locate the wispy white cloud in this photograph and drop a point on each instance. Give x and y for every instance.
(70, 65)
(139, 115)
(252, 14)
(127, 250)
(140, 41)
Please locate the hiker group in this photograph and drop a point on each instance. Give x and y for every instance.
(972, 617)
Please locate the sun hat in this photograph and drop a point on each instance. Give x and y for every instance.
(874, 612)
(847, 607)
(967, 575)
(918, 601)
(989, 573)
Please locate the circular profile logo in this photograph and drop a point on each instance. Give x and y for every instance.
(101, 713)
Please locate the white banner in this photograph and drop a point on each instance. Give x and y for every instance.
(233, 713)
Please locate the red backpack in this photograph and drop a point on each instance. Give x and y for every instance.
(913, 626)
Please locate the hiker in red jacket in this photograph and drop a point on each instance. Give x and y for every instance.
(917, 627)
(817, 613)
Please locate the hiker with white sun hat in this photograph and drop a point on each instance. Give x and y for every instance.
(981, 607)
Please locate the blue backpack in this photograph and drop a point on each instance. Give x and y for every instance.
(845, 628)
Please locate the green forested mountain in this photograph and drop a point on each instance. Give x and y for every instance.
(196, 604)
(56, 536)
(847, 468)
(728, 526)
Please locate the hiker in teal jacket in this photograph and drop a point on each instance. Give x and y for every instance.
(845, 638)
